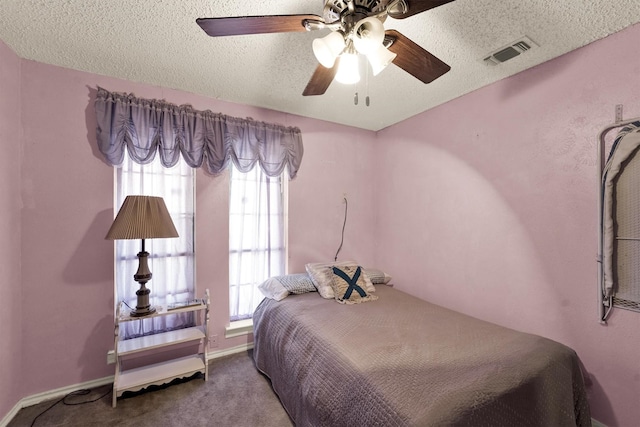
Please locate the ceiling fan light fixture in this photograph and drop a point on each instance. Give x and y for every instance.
(380, 58)
(348, 69)
(368, 35)
(327, 49)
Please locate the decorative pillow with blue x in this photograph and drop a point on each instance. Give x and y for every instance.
(349, 285)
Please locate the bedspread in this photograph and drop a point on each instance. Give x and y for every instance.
(401, 361)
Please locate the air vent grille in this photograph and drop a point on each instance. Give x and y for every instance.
(522, 45)
(510, 51)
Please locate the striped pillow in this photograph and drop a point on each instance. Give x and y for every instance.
(279, 287)
(297, 283)
(377, 277)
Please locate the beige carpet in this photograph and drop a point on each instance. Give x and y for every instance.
(236, 395)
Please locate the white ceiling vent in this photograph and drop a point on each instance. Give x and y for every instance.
(512, 50)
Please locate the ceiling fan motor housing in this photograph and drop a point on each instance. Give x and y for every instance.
(335, 10)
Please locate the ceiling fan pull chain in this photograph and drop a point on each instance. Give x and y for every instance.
(366, 100)
(355, 97)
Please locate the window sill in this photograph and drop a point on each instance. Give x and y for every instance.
(239, 328)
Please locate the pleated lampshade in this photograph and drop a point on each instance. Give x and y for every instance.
(142, 217)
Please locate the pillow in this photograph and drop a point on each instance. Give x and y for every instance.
(278, 287)
(322, 276)
(297, 283)
(349, 286)
(377, 277)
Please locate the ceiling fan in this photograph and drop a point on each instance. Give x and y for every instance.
(356, 28)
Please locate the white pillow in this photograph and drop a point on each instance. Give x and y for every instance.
(272, 288)
(322, 276)
(279, 287)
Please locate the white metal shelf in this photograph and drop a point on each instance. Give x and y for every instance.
(150, 342)
(160, 311)
(159, 373)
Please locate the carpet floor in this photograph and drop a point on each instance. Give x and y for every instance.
(236, 395)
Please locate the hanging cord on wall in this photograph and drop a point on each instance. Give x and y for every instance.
(344, 224)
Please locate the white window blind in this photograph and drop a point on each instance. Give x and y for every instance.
(257, 237)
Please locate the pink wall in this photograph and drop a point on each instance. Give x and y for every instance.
(485, 204)
(488, 206)
(10, 289)
(67, 277)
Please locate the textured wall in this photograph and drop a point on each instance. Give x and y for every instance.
(68, 194)
(488, 206)
(10, 313)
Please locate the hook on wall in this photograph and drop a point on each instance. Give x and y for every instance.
(618, 113)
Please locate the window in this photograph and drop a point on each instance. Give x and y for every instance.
(257, 237)
(171, 261)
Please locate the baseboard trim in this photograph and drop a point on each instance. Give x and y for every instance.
(7, 418)
(12, 413)
(51, 395)
(63, 391)
(596, 423)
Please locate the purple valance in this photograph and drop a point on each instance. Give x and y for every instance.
(205, 139)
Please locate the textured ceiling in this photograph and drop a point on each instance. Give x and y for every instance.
(158, 42)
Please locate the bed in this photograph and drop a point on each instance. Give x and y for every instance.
(402, 361)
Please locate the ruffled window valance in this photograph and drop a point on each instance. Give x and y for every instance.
(205, 139)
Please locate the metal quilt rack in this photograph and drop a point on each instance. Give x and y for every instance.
(606, 304)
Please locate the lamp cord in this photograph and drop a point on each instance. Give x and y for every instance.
(344, 224)
(80, 392)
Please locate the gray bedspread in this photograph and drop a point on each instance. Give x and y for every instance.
(401, 361)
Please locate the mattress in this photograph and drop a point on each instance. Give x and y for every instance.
(402, 361)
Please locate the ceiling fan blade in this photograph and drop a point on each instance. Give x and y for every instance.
(320, 80)
(416, 6)
(415, 60)
(240, 25)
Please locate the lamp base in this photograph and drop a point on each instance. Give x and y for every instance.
(143, 307)
(141, 312)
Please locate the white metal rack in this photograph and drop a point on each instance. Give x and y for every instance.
(163, 372)
(605, 305)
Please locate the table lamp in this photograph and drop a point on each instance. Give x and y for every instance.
(142, 217)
